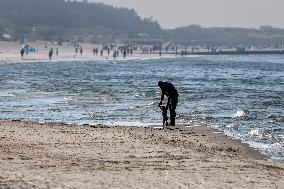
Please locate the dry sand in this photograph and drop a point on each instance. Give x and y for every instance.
(10, 53)
(36, 155)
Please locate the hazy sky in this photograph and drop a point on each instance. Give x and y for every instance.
(232, 13)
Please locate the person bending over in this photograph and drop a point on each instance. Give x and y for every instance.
(170, 91)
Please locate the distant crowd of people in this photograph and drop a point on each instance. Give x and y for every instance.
(124, 52)
(115, 54)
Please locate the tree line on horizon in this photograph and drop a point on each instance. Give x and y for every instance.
(60, 18)
(218, 36)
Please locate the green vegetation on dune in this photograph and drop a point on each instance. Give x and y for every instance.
(52, 14)
(194, 34)
(53, 19)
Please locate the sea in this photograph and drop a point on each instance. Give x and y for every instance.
(241, 96)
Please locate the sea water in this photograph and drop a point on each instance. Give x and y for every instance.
(241, 96)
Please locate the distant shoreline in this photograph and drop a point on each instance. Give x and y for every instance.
(10, 53)
(229, 52)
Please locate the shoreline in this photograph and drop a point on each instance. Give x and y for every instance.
(61, 155)
(135, 57)
(54, 155)
(10, 53)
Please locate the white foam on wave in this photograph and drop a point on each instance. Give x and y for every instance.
(5, 94)
(275, 151)
(68, 98)
(277, 146)
(233, 126)
(259, 134)
(131, 124)
(240, 114)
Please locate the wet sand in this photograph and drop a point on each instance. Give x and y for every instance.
(36, 155)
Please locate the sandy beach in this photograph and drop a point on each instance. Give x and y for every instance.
(10, 53)
(104, 94)
(37, 155)
(34, 155)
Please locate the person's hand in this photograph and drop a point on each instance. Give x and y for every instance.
(160, 104)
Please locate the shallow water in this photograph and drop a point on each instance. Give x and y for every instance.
(239, 95)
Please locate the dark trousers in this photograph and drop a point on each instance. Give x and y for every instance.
(172, 107)
(173, 117)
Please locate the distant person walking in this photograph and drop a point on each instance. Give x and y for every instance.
(114, 55)
(170, 91)
(50, 54)
(124, 54)
(56, 52)
(22, 52)
(81, 51)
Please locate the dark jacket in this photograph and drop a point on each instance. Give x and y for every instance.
(168, 89)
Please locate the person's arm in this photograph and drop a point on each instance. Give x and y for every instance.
(167, 106)
(162, 98)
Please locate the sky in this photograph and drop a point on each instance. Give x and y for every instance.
(208, 13)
